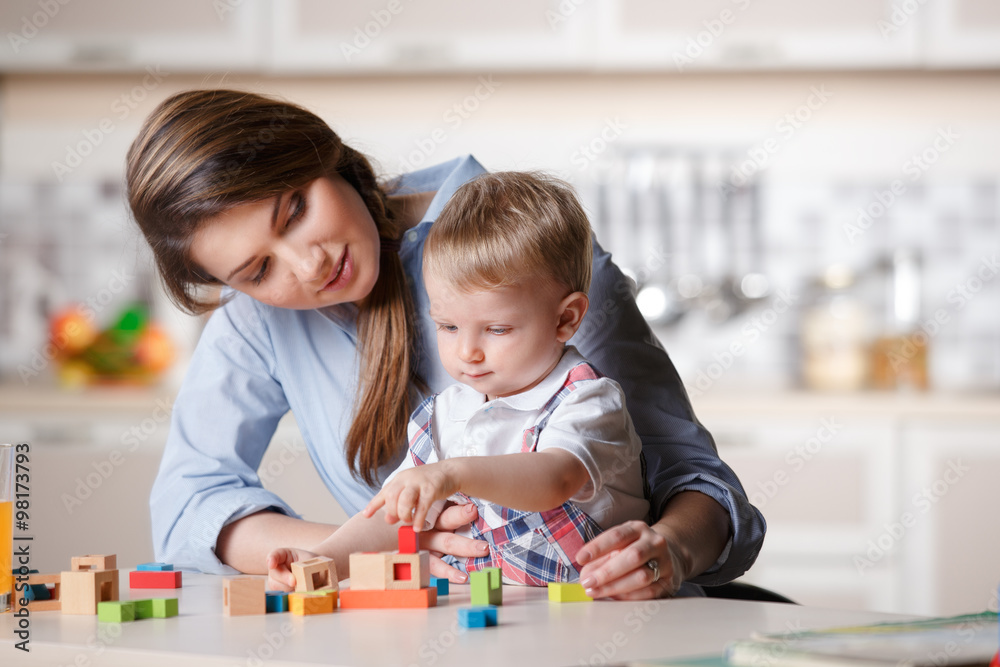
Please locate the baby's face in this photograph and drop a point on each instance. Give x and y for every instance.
(501, 341)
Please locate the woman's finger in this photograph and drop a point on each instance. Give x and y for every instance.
(610, 540)
(456, 516)
(630, 563)
(456, 545)
(441, 569)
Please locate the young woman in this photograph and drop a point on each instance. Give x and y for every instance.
(321, 269)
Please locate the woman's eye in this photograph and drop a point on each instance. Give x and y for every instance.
(262, 273)
(298, 202)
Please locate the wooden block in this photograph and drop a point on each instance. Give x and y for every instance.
(563, 592)
(409, 541)
(83, 589)
(477, 617)
(96, 562)
(116, 611)
(155, 567)
(164, 607)
(276, 602)
(368, 571)
(375, 599)
(441, 584)
(143, 608)
(139, 579)
(307, 603)
(486, 586)
(407, 571)
(55, 593)
(315, 574)
(243, 596)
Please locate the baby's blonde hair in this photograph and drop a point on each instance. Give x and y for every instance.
(508, 228)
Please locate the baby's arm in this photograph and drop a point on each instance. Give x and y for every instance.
(530, 482)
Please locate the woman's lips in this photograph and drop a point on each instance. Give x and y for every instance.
(342, 273)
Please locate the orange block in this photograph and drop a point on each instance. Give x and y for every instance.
(312, 602)
(373, 599)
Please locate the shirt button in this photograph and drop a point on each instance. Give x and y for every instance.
(411, 236)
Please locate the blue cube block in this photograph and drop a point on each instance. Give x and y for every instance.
(477, 617)
(276, 602)
(37, 592)
(441, 584)
(155, 567)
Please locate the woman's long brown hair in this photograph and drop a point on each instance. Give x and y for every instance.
(203, 152)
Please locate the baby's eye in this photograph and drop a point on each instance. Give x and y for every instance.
(498, 331)
(450, 328)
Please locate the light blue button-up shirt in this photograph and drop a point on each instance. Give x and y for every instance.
(255, 362)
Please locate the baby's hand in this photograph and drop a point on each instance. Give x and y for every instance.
(279, 568)
(408, 496)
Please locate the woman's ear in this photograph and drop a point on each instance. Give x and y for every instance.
(571, 311)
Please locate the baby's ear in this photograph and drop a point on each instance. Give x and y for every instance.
(571, 311)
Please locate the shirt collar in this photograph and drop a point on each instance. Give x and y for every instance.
(468, 400)
(445, 178)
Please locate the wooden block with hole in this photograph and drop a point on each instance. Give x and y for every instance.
(315, 574)
(83, 589)
(408, 571)
(54, 603)
(94, 562)
(243, 596)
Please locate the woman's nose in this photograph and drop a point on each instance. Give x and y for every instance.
(308, 263)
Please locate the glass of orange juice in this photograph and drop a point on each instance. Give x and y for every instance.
(6, 526)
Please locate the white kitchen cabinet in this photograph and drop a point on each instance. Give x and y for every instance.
(122, 35)
(962, 33)
(432, 35)
(893, 512)
(950, 553)
(672, 35)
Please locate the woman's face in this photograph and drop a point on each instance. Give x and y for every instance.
(307, 248)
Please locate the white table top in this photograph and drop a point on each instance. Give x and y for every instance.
(531, 632)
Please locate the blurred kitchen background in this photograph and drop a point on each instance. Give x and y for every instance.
(806, 195)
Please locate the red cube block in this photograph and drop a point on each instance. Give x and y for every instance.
(409, 542)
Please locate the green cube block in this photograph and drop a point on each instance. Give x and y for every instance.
(116, 612)
(143, 609)
(486, 586)
(164, 607)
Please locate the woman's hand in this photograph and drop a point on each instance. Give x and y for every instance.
(279, 568)
(443, 540)
(615, 563)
